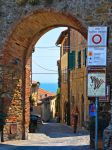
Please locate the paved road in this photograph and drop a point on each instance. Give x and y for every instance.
(51, 136)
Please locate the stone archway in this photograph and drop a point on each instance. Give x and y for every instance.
(22, 26)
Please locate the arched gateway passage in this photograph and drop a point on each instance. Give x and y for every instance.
(21, 28)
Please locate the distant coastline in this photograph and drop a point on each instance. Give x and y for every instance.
(51, 87)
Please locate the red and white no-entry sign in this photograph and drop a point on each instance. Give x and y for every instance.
(97, 39)
(97, 43)
(97, 36)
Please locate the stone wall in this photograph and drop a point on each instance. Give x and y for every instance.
(11, 108)
(21, 25)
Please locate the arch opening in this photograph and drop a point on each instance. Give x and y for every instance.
(17, 51)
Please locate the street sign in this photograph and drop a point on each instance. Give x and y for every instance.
(96, 84)
(97, 56)
(97, 36)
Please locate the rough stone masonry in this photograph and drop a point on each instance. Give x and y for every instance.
(22, 23)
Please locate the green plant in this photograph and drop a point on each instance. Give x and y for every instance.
(58, 100)
(34, 2)
(21, 2)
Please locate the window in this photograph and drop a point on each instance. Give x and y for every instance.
(79, 59)
(64, 75)
(33, 90)
(65, 46)
(71, 60)
(84, 56)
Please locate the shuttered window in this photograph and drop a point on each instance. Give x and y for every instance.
(79, 59)
(84, 56)
(71, 60)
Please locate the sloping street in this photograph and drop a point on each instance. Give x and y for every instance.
(51, 136)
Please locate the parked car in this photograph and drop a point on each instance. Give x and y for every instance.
(35, 120)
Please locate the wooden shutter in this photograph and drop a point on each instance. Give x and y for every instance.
(71, 60)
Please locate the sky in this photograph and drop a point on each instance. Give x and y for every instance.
(44, 59)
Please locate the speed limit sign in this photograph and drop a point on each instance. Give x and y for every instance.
(97, 36)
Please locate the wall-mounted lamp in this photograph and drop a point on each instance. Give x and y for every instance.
(16, 61)
(33, 50)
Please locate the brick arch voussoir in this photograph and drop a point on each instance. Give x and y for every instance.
(71, 20)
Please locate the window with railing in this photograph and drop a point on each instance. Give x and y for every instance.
(64, 75)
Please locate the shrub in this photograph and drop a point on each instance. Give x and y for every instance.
(34, 2)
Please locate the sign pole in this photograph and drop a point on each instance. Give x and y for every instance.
(96, 124)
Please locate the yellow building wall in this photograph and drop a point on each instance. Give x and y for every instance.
(64, 61)
(78, 80)
(53, 107)
(64, 84)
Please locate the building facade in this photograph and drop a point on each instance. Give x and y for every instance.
(78, 77)
(73, 76)
(46, 104)
(63, 65)
(34, 97)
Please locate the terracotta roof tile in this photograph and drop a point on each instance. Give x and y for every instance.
(44, 92)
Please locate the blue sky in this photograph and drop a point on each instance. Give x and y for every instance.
(45, 57)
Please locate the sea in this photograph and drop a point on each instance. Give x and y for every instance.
(51, 87)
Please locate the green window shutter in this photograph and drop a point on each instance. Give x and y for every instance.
(71, 60)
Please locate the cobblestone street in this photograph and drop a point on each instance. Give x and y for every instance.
(51, 136)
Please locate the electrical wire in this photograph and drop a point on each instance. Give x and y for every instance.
(79, 44)
(45, 56)
(43, 73)
(83, 43)
(45, 47)
(44, 68)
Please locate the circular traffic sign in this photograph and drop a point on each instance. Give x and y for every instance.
(96, 39)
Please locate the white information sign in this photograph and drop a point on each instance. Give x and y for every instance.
(96, 84)
(96, 56)
(97, 36)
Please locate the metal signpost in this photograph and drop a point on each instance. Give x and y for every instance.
(97, 51)
(96, 124)
(96, 88)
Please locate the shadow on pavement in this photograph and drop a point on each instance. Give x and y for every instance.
(61, 135)
(14, 147)
(60, 130)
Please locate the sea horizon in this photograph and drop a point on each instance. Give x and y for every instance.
(51, 87)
